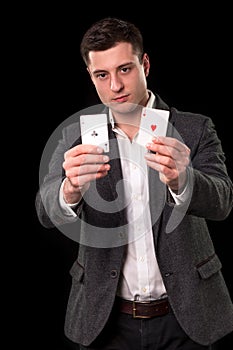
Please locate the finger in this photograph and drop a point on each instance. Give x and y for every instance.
(83, 149)
(83, 180)
(91, 159)
(160, 160)
(171, 142)
(174, 151)
(163, 169)
(87, 169)
(92, 169)
(84, 159)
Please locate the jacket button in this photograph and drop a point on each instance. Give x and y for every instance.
(167, 274)
(113, 273)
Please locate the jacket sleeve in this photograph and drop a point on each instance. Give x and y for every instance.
(211, 195)
(47, 205)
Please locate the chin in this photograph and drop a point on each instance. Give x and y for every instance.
(123, 108)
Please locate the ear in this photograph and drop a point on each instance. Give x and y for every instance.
(146, 64)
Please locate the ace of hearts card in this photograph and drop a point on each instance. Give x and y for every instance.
(154, 123)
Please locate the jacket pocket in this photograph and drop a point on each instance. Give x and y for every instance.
(77, 272)
(209, 266)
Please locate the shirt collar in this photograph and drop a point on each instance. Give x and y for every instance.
(150, 104)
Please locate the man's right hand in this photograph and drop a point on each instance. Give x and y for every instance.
(82, 164)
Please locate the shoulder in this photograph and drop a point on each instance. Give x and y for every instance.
(191, 126)
(182, 119)
(188, 118)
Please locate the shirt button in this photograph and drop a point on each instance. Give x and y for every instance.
(113, 273)
(137, 197)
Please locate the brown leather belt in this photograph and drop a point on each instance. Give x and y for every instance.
(143, 309)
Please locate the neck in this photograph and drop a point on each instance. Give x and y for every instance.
(128, 123)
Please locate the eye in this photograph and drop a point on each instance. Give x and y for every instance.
(101, 76)
(125, 69)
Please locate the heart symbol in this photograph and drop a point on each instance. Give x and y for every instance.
(153, 127)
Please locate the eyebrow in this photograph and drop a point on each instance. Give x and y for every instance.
(119, 67)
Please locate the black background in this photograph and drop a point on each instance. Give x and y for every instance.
(190, 54)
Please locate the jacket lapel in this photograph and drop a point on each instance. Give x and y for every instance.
(157, 192)
(157, 189)
(115, 174)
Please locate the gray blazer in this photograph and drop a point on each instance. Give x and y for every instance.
(189, 265)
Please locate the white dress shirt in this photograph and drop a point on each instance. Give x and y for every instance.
(140, 276)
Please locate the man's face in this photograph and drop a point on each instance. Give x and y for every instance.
(119, 77)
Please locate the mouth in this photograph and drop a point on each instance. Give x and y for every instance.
(120, 99)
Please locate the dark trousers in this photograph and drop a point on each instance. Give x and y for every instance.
(159, 333)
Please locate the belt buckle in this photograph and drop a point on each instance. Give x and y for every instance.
(135, 302)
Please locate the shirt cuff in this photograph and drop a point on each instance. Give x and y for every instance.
(67, 208)
(184, 195)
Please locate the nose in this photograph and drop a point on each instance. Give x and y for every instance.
(116, 84)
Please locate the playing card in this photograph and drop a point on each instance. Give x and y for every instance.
(153, 123)
(94, 130)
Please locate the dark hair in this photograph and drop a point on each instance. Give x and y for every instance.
(106, 33)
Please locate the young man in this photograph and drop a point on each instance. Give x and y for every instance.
(146, 275)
